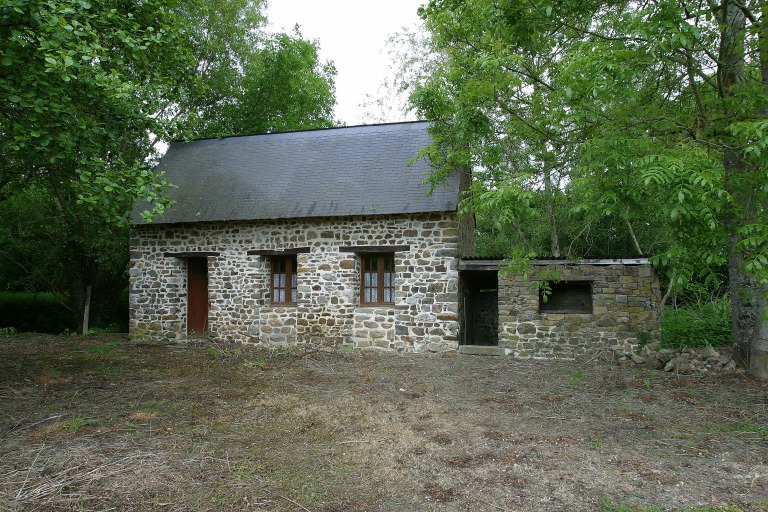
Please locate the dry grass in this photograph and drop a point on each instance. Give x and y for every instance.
(180, 428)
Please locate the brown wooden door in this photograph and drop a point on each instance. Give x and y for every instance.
(197, 295)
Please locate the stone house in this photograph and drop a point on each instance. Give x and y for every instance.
(331, 237)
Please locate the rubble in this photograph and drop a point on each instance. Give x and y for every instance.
(684, 361)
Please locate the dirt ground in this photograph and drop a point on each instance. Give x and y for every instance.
(101, 423)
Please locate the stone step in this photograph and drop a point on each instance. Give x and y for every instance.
(483, 350)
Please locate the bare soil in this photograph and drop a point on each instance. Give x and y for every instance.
(101, 423)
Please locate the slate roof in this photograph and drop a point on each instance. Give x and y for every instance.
(359, 170)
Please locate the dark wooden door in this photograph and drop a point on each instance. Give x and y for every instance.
(197, 295)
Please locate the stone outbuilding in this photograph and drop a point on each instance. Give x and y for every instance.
(331, 237)
(585, 307)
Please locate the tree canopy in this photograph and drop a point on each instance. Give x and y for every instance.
(651, 112)
(249, 81)
(88, 89)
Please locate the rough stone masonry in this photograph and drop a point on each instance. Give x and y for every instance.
(624, 310)
(423, 317)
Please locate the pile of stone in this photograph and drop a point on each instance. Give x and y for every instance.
(685, 361)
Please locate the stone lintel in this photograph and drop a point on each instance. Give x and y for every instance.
(374, 248)
(278, 252)
(190, 254)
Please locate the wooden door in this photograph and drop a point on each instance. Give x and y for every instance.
(197, 295)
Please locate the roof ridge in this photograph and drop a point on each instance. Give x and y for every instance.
(311, 130)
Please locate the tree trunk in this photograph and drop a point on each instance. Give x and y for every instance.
(747, 298)
(550, 190)
(466, 221)
(758, 360)
(77, 290)
(742, 301)
(87, 308)
(632, 234)
(758, 357)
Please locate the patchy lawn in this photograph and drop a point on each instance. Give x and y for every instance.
(100, 423)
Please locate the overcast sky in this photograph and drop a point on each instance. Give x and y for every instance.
(352, 33)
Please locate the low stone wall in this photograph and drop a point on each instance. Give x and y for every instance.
(424, 316)
(624, 310)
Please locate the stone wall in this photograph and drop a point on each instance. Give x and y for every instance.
(625, 302)
(328, 311)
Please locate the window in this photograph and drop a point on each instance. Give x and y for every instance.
(566, 297)
(284, 279)
(378, 278)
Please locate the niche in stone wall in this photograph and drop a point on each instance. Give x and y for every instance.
(566, 297)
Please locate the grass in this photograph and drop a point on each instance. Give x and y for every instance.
(77, 422)
(575, 377)
(745, 427)
(697, 325)
(607, 506)
(331, 431)
(101, 351)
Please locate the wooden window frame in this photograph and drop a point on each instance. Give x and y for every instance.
(380, 272)
(290, 281)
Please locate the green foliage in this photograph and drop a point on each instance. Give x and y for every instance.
(43, 312)
(86, 92)
(80, 86)
(39, 251)
(77, 422)
(697, 325)
(580, 115)
(283, 87)
(8, 332)
(649, 119)
(581, 234)
(80, 92)
(250, 81)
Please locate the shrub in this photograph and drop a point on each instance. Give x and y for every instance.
(39, 312)
(697, 325)
(7, 332)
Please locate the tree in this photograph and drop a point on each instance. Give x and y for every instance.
(35, 243)
(625, 106)
(281, 85)
(409, 61)
(247, 80)
(86, 92)
(79, 90)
